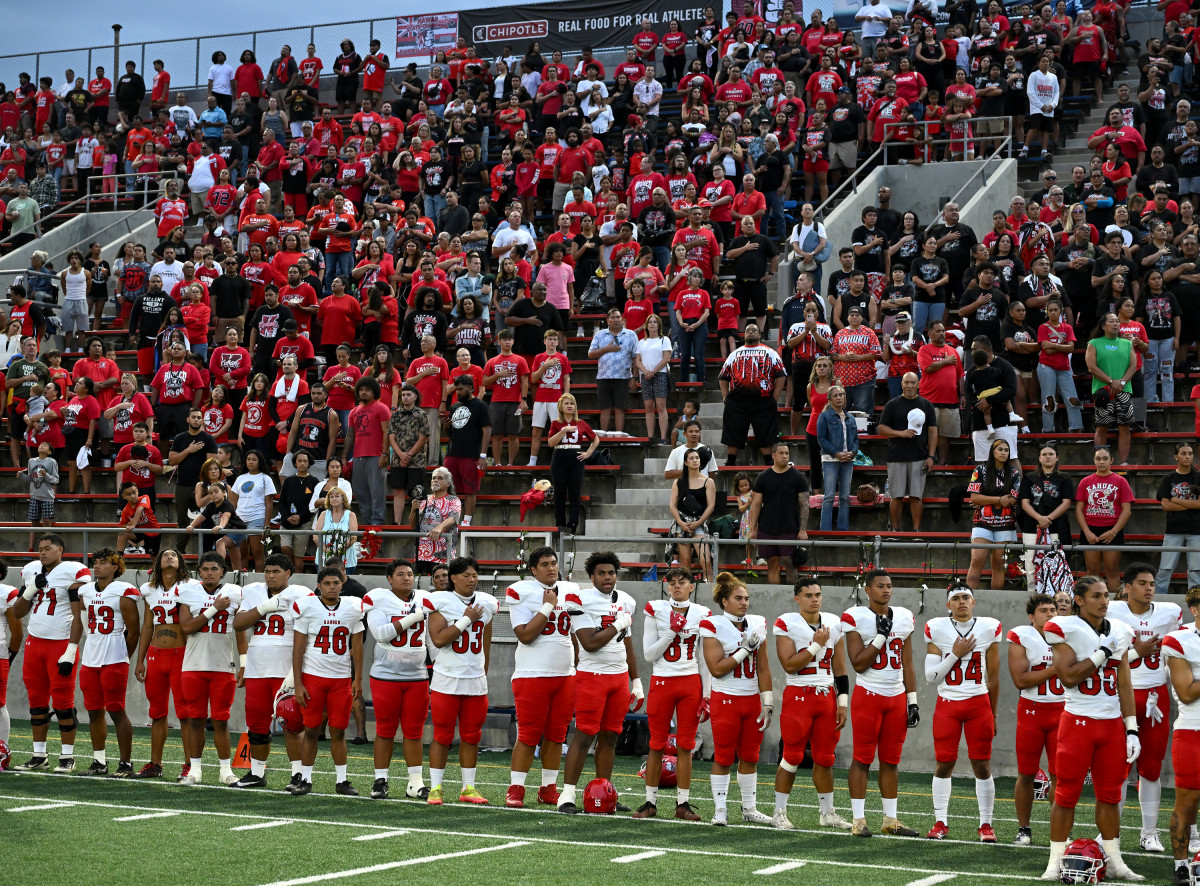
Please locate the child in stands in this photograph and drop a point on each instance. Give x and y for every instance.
(42, 476)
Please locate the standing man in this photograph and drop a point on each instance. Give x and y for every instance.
(751, 381)
(20, 378)
(366, 449)
(470, 431)
(189, 451)
(315, 429)
(780, 505)
(1181, 649)
(942, 385)
(910, 424)
(1178, 495)
(755, 258)
(408, 442)
(614, 348)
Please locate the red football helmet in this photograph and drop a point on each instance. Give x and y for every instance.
(667, 777)
(1194, 868)
(671, 747)
(1083, 862)
(291, 718)
(5, 757)
(600, 797)
(1041, 785)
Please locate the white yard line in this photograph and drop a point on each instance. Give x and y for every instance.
(932, 881)
(391, 865)
(262, 824)
(385, 835)
(780, 868)
(641, 856)
(146, 816)
(38, 807)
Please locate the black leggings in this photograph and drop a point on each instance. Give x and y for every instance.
(566, 473)
(674, 65)
(815, 471)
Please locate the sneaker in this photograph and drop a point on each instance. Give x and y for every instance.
(1182, 877)
(228, 779)
(781, 821)
(621, 807)
(250, 780)
(303, 787)
(379, 789)
(184, 773)
(833, 820)
(1118, 870)
(939, 831)
(34, 763)
(150, 770)
(345, 789)
(130, 549)
(548, 795)
(686, 812)
(1024, 837)
(472, 796)
(421, 793)
(515, 798)
(189, 781)
(720, 818)
(568, 809)
(1194, 843)
(294, 783)
(124, 770)
(987, 834)
(895, 828)
(435, 797)
(646, 810)
(1151, 843)
(1023, 153)
(753, 816)
(859, 828)
(66, 765)
(97, 768)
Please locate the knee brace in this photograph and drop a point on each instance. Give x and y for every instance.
(39, 717)
(259, 738)
(66, 719)
(788, 767)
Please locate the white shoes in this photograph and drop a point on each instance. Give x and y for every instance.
(1151, 843)
(753, 816)
(189, 781)
(229, 779)
(1118, 870)
(781, 821)
(720, 818)
(833, 820)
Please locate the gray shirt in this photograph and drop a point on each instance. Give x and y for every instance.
(42, 477)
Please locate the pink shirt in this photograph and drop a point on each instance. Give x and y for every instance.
(556, 278)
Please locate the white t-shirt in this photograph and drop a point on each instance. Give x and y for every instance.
(171, 273)
(651, 351)
(599, 610)
(459, 667)
(83, 152)
(214, 647)
(103, 624)
(670, 653)
(1184, 644)
(269, 654)
(1096, 696)
(1161, 620)
(886, 674)
(1040, 657)
(184, 118)
(743, 679)
(675, 461)
(222, 79)
(506, 238)
(398, 656)
(329, 631)
(50, 618)
(252, 491)
(550, 653)
(968, 678)
(819, 672)
(800, 233)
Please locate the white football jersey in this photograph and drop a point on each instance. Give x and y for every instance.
(103, 625)
(681, 657)
(459, 668)
(550, 653)
(162, 604)
(269, 653)
(886, 675)
(1095, 697)
(968, 678)
(1162, 619)
(743, 679)
(402, 656)
(599, 610)
(8, 596)
(1185, 644)
(329, 630)
(819, 671)
(50, 618)
(214, 646)
(1040, 657)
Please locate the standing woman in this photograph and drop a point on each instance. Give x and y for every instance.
(653, 365)
(333, 530)
(1102, 517)
(131, 407)
(80, 419)
(994, 488)
(437, 518)
(1021, 349)
(809, 341)
(1046, 499)
(1136, 333)
(1055, 379)
(1159, 310)
(820, 380)
(253, 497)
(742, 702)
(693, 499)
(677, 690)
(160, 653)
(837, 435)
(569, 435)
(333, 480)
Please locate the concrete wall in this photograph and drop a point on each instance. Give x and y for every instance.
(76, 234)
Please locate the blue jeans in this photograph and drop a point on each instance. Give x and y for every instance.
(861, 397)
(434, 203)
(201, 348)
(1051, 380)
(662, 256)
(895, 386)
(1160, 366)
(338, 264)
(775, 211)
(691, 347)
(925, 313)
(1166, 563)
(837, 479)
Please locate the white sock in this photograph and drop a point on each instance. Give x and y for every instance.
(468, 776)
(195, 764)
(1150, 796)
(549, 777)
(258, 767)
(225, 766)
(306, 773)
(941, 798)
(39, 748)
(652, 795)
(435, 777)
(858, 808)
(466, 521)
(748, 786)
(1112, 848)
(826, 801)
(781, 801)
(532, 460)
(889, 807)
(720, 789)
(416, 780)
(985, 796)
(339, 772)
(682, 795)
(567, 795)
(100, 756)
(516, 778)
(4, 724)
(381, 773)
(1057, 850)
(68, 750)
(297, 767)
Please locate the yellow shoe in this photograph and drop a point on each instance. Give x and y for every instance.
(435, 796)
(859, 828)
(470, 795)
(896, 828)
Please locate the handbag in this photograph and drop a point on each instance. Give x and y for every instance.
(810, 243)
(1051, 571)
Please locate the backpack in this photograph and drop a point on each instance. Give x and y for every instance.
(594, 298)
(1051, 571)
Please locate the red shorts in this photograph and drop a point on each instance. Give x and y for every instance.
(40, 672)
(260, 703)
(812, 167)
(465, 473)
(880, 725)
(164, 675)
(145, 360)
(4, 664)
(400, 704)
(678, 696)
(1185, 755)
(544, 708)
(327, 694)
(735, 728)
(972, 716)
(1085, 743)
(104, 687)
(1037, 730)
(467, 711)
(601, 702)
(809, 714)
(1154, 736)
(205, 691)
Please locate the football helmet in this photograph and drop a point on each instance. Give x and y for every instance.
(1194, 869)
(1041, 785)
(600, 797)
(288, 712)
(5, 757)
(671, 747)
(667, 778)
(1083, 862)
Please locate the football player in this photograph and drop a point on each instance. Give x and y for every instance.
(326, 638)
(742, 701)
(812, 652)
(11, 634)
(460, 626)
(213, 653)
(1181, 649)
(962, 659)
(607, 685)
(543, 677)
(1150, 621)
(51, 593)
(266, 610)
(160, 654)
(399, 683)
(1099, 730)
(1031, 666)
(112, 627)
(677, 688)
(879, 645)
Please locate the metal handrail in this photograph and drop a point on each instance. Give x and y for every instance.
(974, 121)
(866, 167)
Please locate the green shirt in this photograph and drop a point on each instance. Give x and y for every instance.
(27, 211)
(1112, 358)
(21, 367)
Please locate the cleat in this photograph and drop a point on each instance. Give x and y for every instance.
(686, 812)
(97, 768)
(124, 770)
(833, 820)
(1118, 870)
(189, 781)
(150, 770)
(228, 779)
(568, 809)
(1151, 843)
(345, 789)
(472, 796)
(621, 807)
(1182, 877)
(781, 821)
(753, 816)
(1024, 837)
(987, 833)
(379, 789)
(66, 765)
(34, 764)
(249, 780)
(293, 783)
(548, 795)
(303, 787)
(421, 793)
(515, 798)
(859, 828)
(720, 818)
(896, 828)
(184, 773)
(646, 810)
(939, 831)
(435, 797)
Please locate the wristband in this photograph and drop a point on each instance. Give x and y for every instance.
(483, 455)
(843, 700)
(814, 648)
(1131, 725)
(547, 609)
(242, 661)
(912, 698)
(768, 698)
(740, 654)
(878, 640)
(211, 612)
(30, 592)
(1099, 658)
(463, 623)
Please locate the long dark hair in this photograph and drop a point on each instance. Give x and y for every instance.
(989, 477)
(181, 575)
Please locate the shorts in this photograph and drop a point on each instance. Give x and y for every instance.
(843, 155)
(601, 701)
(1189, 185)
(164, 676)
(768, 550)
(880, 724)
(678, 697)
(76, 440)
(467, 711)
(1185, 757)
(40, 509)
(197, 200)
(1084, 70)
(1154, 736)
(145, 361)
(236, 539)
(209, 691)
(1117, 412)
(656, 387)
(402, 704)
(613, 393)
(544, 414)
(906, 479)
(346, 88)
(4, 668)
(972, 716)
(983, 441)
(1042, 123)
(989, 127)
(809, 715)
(327, 694)
(104, 687)
(1118, 539)
(1037, 730)
(465, 473)
(260, 703)
(949, 421)
(994, 536)
(74, 316)
(752, 295)
(544, 708)
(735, 731)
(506, 422)
(742, 412)
(39, 670)
(409, 480)
(1085, 743)
(813, 167)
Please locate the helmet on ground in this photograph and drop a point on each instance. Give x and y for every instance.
(1041, 785)
(600, 797)
(1083, 862)
(5, 757)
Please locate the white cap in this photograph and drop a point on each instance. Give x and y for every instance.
(916, 420)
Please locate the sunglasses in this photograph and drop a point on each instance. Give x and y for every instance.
(1050, 176)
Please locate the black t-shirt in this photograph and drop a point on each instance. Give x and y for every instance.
(1187, 293)
(930, 270)
(467, 421)
(844, 121)
(1022, 335)
(294, 498)
(987, 317)
(772, 175)
(1160, 312)
(753, 264)
(839, 284)
(872, 259)
(1077, 283)
(212, 512)
(895, 416)
(527, 337)
(957, 253)
(780, 513)
(1177, 485)
(268, 322)
(148, 312)
(1044, 494)
(188, 471)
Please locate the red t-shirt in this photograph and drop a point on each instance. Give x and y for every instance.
(258, 418)
(340, 317)
(127, 418)
(430, 387)
(506, 389)
(369, 424)
(1102, 499)
(79, 412)
(299, 347)
(235, 363)
(699, 252)
(146, 521)
(284, 407)
(728, 310)
(691, 303)
(302, 295)
(141, 476)
(473, 372)
(341, 394)
(636, 313)
(177, 385)
(551, 387)
(939, 387)
(748, 204)
(98, 371)
(214, 418)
